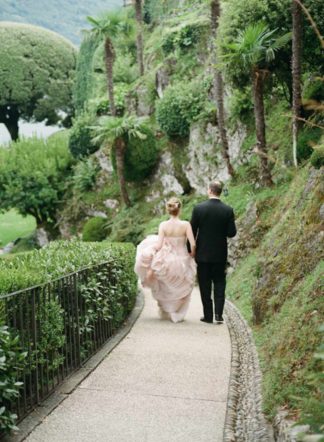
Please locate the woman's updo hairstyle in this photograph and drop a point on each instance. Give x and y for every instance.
(173, 206)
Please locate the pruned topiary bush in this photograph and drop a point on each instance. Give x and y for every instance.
(95, 229)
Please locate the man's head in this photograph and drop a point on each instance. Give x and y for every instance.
(215, 189)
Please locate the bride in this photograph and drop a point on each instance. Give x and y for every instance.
(164, 265)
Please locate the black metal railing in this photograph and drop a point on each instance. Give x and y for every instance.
(60, 325)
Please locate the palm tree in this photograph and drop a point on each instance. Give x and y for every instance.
(114, 131)
(252, 50)
(296, 72)
(108, 28)
(139, 40)
(219, 88)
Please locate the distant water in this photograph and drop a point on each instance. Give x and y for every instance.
(28, 130)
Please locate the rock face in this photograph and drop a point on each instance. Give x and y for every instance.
(162, 79)
(205, 157)
(104, 161)
(164, 182)
(204, 162)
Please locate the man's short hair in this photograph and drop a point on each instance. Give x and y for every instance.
(216, 187)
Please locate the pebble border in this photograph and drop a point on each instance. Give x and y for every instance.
(244, 420)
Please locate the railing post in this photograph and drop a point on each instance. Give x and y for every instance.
(34, 337)
(77, 320)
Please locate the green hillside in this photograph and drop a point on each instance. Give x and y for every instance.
(66, 18)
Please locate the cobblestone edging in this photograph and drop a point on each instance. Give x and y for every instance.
(244, 421)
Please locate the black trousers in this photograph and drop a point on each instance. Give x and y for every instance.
(209, 274)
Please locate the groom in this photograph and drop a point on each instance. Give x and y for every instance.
(212, 223)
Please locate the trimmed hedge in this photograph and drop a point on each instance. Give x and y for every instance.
(59, 258)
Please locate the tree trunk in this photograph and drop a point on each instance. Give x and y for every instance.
(296, 73)
(9, 116)
(109, 61)
(139, 40)
(120, 155)
(257, 81)
(219, 88)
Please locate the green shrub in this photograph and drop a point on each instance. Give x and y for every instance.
(305, 140)
(241, 106)
(317, 157)
(33, 176)
(140, 157)
(95, 229)
(181, 104)
(85, 175)
(125, 68)
(100, 106)
(313, 89)
(183, 38)
(80, 142)
(11, 360)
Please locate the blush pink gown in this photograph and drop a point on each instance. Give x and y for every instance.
(172, 275)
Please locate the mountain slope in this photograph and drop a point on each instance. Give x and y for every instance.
(64, 17)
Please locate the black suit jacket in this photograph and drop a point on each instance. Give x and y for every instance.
(212, 223)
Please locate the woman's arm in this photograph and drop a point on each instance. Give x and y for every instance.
(191, 239)
(159, 244)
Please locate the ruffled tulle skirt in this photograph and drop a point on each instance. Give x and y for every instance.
(169, 273)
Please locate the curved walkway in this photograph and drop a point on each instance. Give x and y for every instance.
(163, 383)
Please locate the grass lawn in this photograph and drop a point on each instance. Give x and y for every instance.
(13, 226)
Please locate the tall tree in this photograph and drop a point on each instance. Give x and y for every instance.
(251, 51)
(115, 131)
(219, 87)
(139, 39)
(36, 75)
(108, 28)
(296, 72)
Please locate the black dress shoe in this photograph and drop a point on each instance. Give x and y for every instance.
(206, 320)
(219, 319)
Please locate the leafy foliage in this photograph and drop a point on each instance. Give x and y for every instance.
(253, 47)
(180, 105)
(317, 157)
(306, 138)
(141, 156)
(95, 229)
(80, 142)
(184, 38)
(52, 261)
(36, 74)
(275, 14)
(32, 176)
(11, 361)
(84, 77)
(85, 175)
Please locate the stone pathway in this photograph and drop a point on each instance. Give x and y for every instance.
(163, 383)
